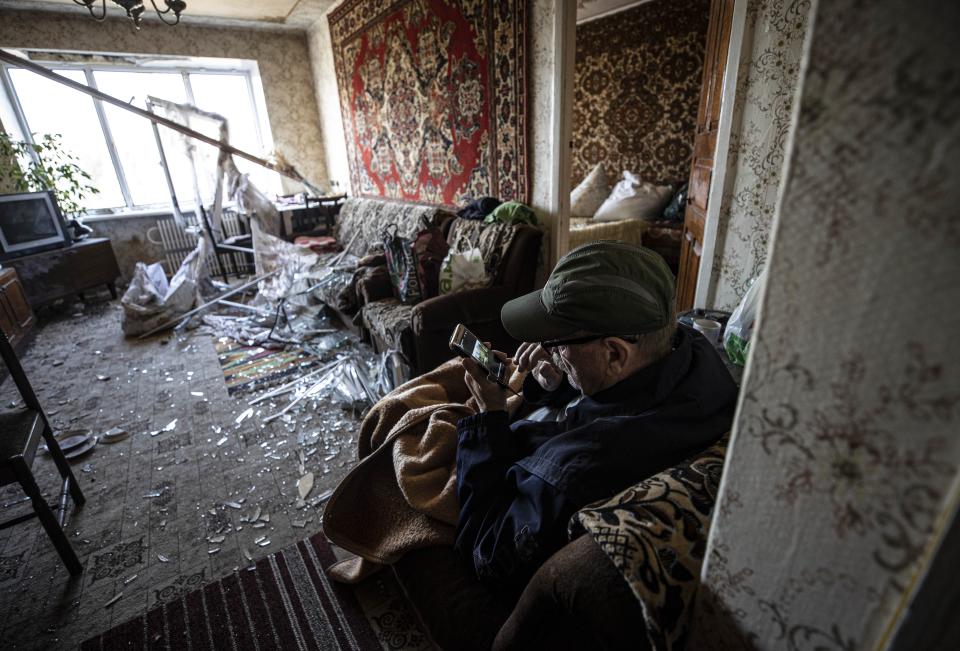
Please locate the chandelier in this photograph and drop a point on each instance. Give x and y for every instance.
(135, 9)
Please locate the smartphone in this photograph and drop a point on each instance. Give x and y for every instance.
(465, 343)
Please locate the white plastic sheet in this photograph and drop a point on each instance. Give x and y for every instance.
(463, 270)
(150, 301)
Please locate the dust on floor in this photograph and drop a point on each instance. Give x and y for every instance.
(167, 511)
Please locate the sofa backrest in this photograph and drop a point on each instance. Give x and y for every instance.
(368, 217)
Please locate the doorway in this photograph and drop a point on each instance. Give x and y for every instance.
(646, 96)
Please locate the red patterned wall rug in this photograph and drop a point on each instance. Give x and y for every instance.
(283, 601)
(433, 96)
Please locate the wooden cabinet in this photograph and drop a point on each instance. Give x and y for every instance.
(49, 275)
(16, 317)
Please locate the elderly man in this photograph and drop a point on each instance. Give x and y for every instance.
(627, 394)
(615, 393)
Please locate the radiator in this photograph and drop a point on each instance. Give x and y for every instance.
(177, 244)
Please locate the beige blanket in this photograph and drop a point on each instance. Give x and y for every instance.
(403, 493)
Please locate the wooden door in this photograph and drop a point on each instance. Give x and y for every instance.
(704, 148)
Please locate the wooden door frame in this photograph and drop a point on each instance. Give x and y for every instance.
(561, 124)
(564, 34)
(720, 154)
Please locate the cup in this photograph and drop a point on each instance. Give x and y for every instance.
(709, 329)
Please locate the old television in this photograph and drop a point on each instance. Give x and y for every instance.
(30, 222)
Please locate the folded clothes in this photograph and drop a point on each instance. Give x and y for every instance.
(480, 208)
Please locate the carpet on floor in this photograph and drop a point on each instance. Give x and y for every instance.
(248, 368)
(284, 601)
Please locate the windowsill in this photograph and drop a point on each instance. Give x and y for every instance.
(136, 213)
(131, 214)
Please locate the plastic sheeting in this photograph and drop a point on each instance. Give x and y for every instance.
(151, 301)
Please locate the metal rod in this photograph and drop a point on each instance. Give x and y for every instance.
(242, 306)
(290, 386)
(16, 61)
(183, 317)
(178, 216)
(310, 391)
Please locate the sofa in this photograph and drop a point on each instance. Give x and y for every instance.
(358, 230)
(421, 332)
(626, 580)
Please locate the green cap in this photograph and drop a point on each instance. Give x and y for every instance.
(599, 288)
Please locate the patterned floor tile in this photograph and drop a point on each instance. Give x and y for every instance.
(147, 496)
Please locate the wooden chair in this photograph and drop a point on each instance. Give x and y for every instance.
(20, 433)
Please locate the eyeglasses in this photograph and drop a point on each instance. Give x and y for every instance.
(553, 344)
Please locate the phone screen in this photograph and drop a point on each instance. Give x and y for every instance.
(481, 354)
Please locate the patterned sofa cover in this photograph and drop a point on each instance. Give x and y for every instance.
(359, 226)
(655, 532)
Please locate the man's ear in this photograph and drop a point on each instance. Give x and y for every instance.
(618, 353)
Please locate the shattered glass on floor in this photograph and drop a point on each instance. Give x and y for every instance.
(202, 483)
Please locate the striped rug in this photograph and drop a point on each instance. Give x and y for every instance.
(283, 601)
(248, 368)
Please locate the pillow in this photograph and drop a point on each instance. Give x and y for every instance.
(665, 521)
(634, 199)
(587, 197)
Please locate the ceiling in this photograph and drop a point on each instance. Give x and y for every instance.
(283, 13)
(293, 13)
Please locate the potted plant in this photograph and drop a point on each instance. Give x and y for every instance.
(46, 165)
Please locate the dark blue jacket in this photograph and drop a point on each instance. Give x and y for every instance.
(520, 483)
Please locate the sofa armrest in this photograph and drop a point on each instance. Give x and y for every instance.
(373, 284)
(473, 306)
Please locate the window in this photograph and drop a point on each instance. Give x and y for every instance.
(117, 148)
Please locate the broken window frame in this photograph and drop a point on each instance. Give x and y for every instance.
(18, 126)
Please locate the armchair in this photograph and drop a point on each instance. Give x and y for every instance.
(421, 332)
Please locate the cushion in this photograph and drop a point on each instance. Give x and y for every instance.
(633, 198)
(587, 197)
(656, 534)
(583, 231)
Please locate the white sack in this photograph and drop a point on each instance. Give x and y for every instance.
(462, 271)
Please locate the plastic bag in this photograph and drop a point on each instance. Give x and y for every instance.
(401, 265)
(150, 301)
(736, 337)
(430, 250)
(463, 270)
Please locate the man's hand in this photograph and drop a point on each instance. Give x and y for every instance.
(489, 395)
(531, 356)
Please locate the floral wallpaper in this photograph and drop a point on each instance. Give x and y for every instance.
(282, 58)
(328, 101)
(845, 456)
(637, 85)
(766, 85)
